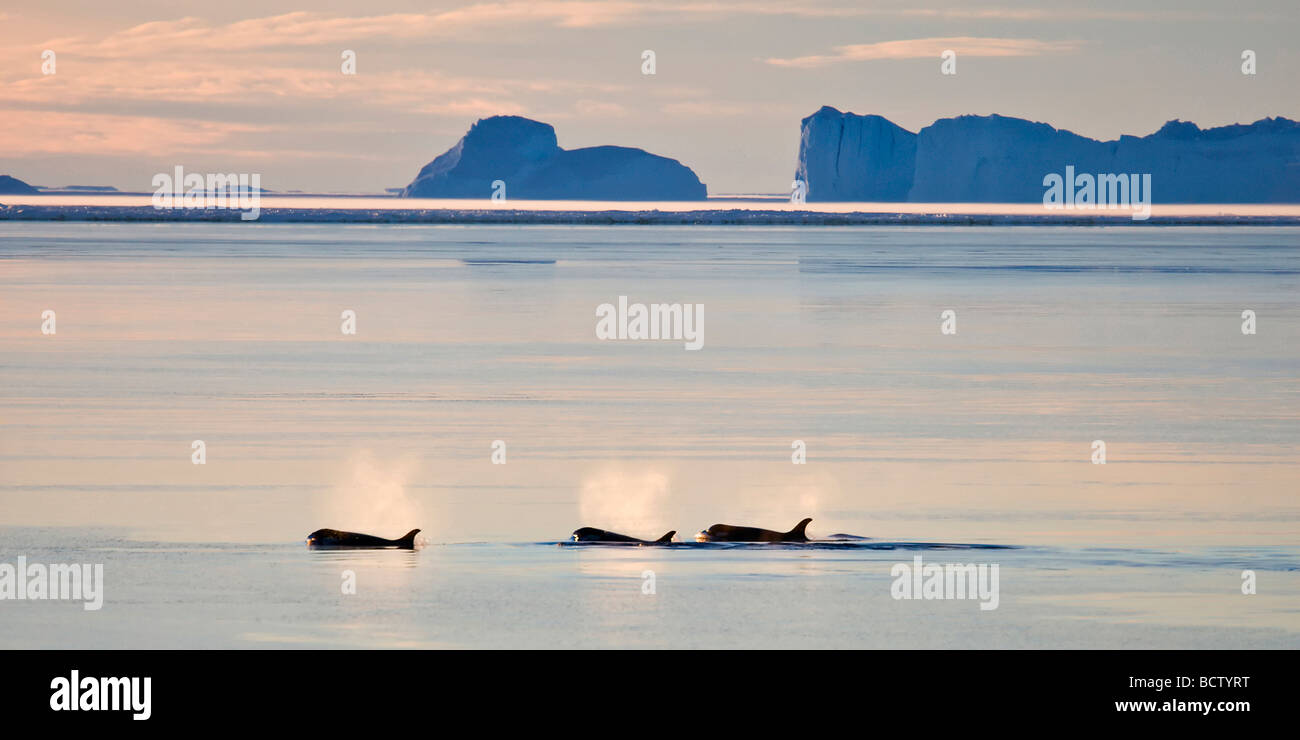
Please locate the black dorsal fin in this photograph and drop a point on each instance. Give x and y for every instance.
(798, 532)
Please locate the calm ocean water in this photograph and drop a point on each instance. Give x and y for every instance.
(465, 336)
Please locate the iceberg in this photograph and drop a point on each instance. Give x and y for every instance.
(1000, 159)
(847, 157)
(524, 156)
(14, 186)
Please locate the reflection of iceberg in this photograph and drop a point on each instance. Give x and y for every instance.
(996, 159)
(524, 155)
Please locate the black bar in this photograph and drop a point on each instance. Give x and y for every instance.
(595, 691)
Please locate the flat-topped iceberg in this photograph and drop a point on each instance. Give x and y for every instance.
(847, 157)
(998, 159)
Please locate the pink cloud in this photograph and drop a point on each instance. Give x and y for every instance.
(971, 46)
(52, 132)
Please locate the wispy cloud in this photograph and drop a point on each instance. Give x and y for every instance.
(599, 109)
(216, 82)
(707, 108)
(307, 28)
(474, 107)
(27, 133)
(968, 46)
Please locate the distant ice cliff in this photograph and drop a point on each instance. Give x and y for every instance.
(997, 159)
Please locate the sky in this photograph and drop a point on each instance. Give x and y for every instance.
(256, 86)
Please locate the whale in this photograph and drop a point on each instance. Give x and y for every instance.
(333, 538)
(731, 533)
(591, 534)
